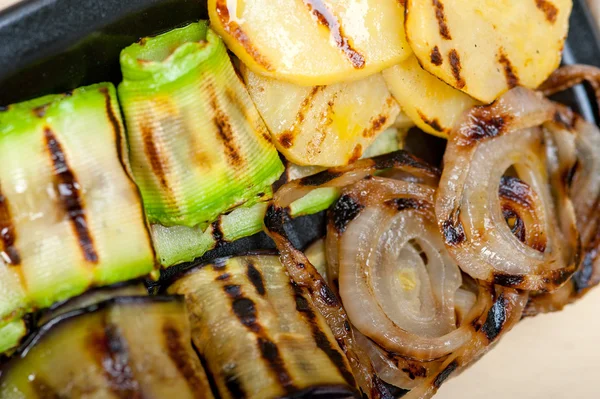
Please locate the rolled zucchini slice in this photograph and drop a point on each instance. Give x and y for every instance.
(126, 347)
(198, 147)
(179, 244)
(12, 334)
(70, 215)
(260, 335)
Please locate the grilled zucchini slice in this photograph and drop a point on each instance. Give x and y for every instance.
(485, 47)
(312, 42)
(71, 216)
(198, 147)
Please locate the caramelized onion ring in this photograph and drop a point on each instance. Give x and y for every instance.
(303, 273)
(398, 210)
(517, 131)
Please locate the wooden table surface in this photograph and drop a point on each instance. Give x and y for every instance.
(554, 356)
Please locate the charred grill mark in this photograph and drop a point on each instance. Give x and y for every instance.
(565, 118)
(270, 352)
(234, 386)
(256, 278)
(377, 124)
(217, 233)
(327, 295)
(403, 158)
(484, 124)
(393, 390)
(275, 219)
(433, 123)
(286, 140)
(235, 30)
(415, 370)
(404, 204)
(69, 191)
(154, 155)
(444, 374)
(40, 111)
(549, 10)
(183, 361)
(441, 18)
(454, 59)
(110, 352)
(436, 56)
(8, 236)
(326, 18)
(559, 276)
(495, 319)
(345, 210)
(245, 310)
(512, 80)
(225, 131)
(323, 343)
(212, 382)
(516, 190)
(319, 179)
(507, 280)
(356, 154)
(223, 277)
(518, 228)
(382, 389)
(43, 390)
(453, 231)
(568, 174)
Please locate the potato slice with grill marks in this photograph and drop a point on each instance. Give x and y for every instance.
(432, 105)
(485, 47)
(313, 42)
(323, 125)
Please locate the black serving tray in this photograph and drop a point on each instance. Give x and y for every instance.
(52, 46)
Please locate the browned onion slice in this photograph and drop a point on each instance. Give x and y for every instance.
(401, 290)
(303, 273)
(584, 180)
(518, 132)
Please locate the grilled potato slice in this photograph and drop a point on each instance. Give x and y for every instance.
(323, 125)
(485, 47)
(313, 42)
(430, 103)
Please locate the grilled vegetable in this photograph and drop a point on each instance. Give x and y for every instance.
(259, 334)
(486, 47)
(178, 244)
(312, 42)
(198, 147)
(323, 125)
(70, 215)
(11, 334)
(128, 347)
(430, 103)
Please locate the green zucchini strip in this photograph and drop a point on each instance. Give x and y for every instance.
(71, 216)
(126, 347)
(198, 147)
(259, 334)
(179, 244)
(11, 335)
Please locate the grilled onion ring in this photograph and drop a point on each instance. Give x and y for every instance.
(397, 206)
(518, 131)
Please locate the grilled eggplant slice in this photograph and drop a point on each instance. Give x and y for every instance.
(259, 334)
(313, 42)
(485, 48)
(323, 125)
(71, 216)
(127, 347)
(198, 147)
(432, 105)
